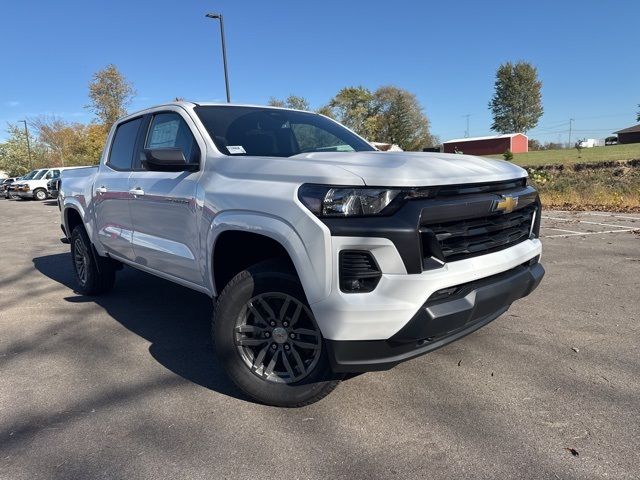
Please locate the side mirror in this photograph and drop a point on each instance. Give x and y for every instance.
(167, 160)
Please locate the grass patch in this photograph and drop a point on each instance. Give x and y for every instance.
(613, 153)
(611, 188)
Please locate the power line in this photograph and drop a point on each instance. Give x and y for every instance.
(595, 129)
(548, 127)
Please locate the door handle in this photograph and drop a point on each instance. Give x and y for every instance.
(136, 192)
(101, 190)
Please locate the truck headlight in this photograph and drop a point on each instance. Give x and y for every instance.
(327, 201)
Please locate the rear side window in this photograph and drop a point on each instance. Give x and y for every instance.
(169, 130)
(124, 141)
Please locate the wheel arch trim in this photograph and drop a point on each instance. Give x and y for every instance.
(71, 203)
(276, 229)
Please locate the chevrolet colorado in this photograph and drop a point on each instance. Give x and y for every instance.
(323, 255)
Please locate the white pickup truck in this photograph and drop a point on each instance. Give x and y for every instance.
(323, 256)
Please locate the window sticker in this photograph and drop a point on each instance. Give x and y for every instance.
(236, 149)
(164, 135)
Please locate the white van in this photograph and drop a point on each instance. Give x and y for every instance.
(36, 186)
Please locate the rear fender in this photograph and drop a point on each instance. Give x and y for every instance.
(72, 203)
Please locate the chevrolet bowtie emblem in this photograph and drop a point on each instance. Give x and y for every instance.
(506, 204)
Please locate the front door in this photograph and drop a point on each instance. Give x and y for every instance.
(163, 206)
(111, 192)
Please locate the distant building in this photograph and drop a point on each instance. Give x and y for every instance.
(492, 145)
(629, 135)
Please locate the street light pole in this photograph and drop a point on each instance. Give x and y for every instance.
(224, 51)
(26, 132)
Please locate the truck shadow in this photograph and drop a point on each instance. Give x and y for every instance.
(175, 320)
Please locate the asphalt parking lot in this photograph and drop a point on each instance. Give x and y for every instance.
(125, 386)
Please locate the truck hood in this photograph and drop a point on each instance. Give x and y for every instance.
(415, 169)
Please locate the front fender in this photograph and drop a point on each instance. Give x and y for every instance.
(315, 279)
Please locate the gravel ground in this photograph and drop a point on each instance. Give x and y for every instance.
(125, 386)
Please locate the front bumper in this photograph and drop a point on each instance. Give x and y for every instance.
(380, 314)
(439, 322)
(22, 194)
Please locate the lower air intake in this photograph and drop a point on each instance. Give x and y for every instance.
(359, 272)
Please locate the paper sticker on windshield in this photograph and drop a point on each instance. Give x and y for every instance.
(235, 149)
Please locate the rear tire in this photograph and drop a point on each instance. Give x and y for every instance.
(267, 339)
(40, 195)
(94, 274)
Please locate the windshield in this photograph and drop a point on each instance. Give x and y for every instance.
(39, 175)
(257, 131)
(31, 174)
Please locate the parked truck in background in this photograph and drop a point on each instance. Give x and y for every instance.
(323, 256)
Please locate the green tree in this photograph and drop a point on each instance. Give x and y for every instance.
(110, 94)
(292, 101)
(399, 119)
(356, 108)
(517, 100)
(326, 111)
(535, 145)
(638, 118)
(14, 156)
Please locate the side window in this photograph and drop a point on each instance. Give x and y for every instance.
(124, 142)
(169, 130)
(53, 174)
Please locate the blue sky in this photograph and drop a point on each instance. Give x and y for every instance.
(446, 53)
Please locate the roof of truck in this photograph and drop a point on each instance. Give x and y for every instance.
(188, 103)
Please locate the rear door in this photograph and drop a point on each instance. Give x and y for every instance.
(163, 206)
(111, 191)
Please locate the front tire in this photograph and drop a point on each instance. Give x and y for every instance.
(267, 339)
(40, 194)
(94, 274)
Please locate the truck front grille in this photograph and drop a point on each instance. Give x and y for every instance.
(467, 238)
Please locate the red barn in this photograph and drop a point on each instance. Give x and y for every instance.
(492, 145)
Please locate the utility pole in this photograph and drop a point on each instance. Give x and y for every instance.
(466, 133)
(570, 128)
(26, 132)
(218, 16)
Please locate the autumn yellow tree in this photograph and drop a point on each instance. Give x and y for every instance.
(110, 94)
(70, 144)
